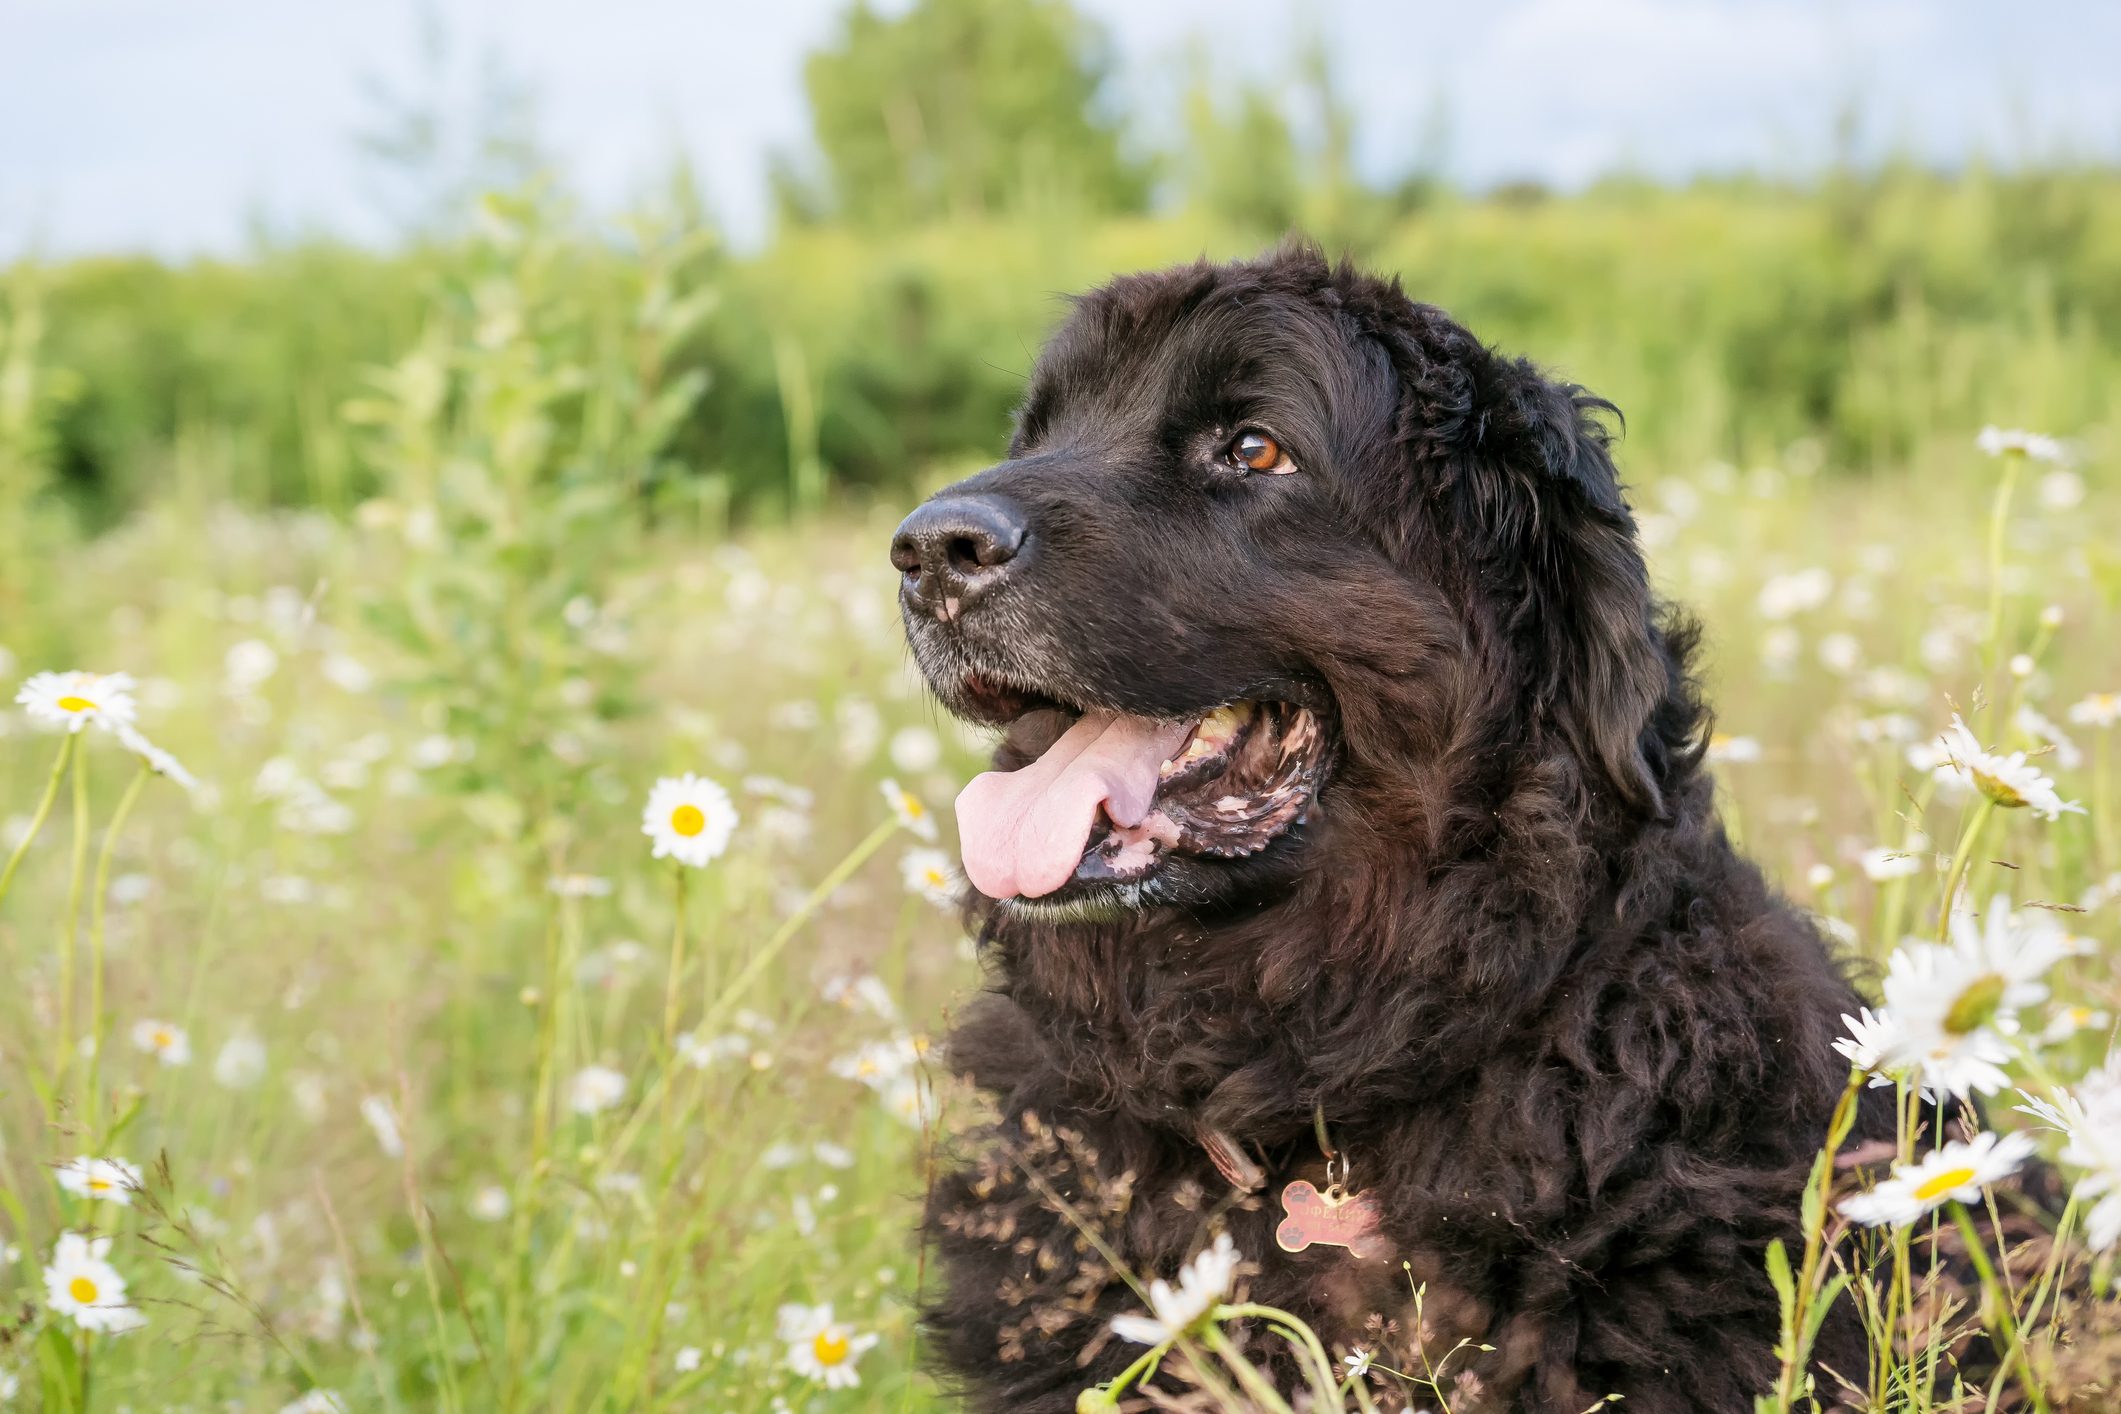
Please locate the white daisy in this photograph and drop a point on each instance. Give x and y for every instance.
(2095, 1146)
(2010, 781)
(2068, 1021)
(773, 788)
(879, 1063)
(700, 1052)
(75, 699)
(105, 1180)
(690, 819)
(929, 874)
(2096, 709)
(1733, 750)
(2009, 441)
(490, 1203)
(1358, 1362)
(163, 1040)
(910, 811)
(1955, 1173)
(240, 1063)
(578, 886)
(1947, 1020)
(1874, 1043)
(1800, 591)
(2090, 1121)
(594, 1089)
(916, 749)
(864, 993)
(81, 1284)
(687, 1359)
(912, 1099)
(1176, 1311)
(382, 1120)
(154, 757)
(822, 1349)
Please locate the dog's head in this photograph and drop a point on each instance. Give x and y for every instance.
(1268, 534)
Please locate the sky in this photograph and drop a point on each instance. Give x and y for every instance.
(187, 128)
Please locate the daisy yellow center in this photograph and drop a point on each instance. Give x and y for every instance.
(830, 1346)
(97, 1185)
(1999, 790)
(935, 878)
(83, 1290)
(1944, 1183)
(912, 807)
(77, 704)
(688, 820)
(163, 1040)
(1975, 1006)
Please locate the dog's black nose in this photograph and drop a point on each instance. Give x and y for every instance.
(955, 548)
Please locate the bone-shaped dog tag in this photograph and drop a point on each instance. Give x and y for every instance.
(1334, 1218)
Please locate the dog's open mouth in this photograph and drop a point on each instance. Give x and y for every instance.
(1114, 794)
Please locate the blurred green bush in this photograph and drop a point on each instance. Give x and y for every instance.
(1728, 320)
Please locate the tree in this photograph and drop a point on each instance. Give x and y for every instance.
(965, 108)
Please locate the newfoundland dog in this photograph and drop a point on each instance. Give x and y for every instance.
(1349, 831)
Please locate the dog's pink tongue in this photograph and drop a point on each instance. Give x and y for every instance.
(1024, 831)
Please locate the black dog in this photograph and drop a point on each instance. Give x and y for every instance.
(1352, 784)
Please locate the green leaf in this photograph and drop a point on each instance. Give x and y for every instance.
(59, 1372)
(1778, 1270)
(1816, 1315)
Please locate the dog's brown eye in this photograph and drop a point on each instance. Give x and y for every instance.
(1254, 450)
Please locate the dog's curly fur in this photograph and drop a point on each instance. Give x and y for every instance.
(1575, 1045)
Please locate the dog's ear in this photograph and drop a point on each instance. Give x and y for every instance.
(1518, 471)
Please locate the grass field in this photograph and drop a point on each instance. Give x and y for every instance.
(443, 1093)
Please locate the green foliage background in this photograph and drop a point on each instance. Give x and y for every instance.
(971, 168)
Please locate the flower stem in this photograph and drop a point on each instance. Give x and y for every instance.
(1294, 1329)
(726, 1000)
(1998, 520)
(95, 938)
(44, 808)
(1248, 1375)
(71, 936)
(2102, 803)
(1144, 1364)
(2006, 1323)
(763, 958)
(670, 993)
(1965, 852)
(677, 963)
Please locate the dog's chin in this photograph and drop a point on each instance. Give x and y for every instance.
(1198, 884)
(1085, 903)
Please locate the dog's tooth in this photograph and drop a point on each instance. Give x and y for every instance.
(1211, 736)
